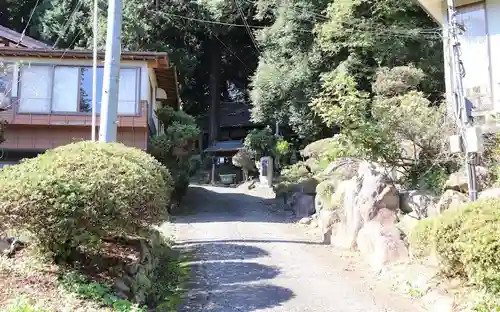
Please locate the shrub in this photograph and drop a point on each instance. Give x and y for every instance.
(467, 242)
(431, 179)
(283, 147)
(75, 194)
(174, 147)
(421, 238)
(293, 175)
(243, 159)
(260, 143)
(318, 148)
(295, 172)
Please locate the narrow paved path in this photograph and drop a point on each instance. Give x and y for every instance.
(250, 259)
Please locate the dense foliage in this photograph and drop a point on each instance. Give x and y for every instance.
(305, 51)
(395, 124)
(76, 194)
(244, 160)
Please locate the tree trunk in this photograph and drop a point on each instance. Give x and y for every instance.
(215, 75)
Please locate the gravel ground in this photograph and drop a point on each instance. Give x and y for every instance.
(249, 258)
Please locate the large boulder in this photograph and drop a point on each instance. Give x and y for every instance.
(364, 196)
(449, 200)
(417, 203)
(458, 181)
(376, 191)
(302, 204)
(379, 241)
(367, 221)
(341, 169)
(327, 221)
(329, 207)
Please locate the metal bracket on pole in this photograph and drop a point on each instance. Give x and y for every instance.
(460, 105)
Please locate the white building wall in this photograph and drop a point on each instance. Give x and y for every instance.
(480, 44)
(493, 22)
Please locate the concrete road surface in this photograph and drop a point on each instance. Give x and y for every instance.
(250, 258)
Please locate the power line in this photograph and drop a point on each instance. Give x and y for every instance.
(206, 21)
(68, 21)
(247, 26)
(296, 10)
(23, 33)
(431, 33)
(232, 52)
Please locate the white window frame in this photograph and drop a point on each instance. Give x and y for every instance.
(479, 6)
(51, 111)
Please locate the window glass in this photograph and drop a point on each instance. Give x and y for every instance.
(475, 56)
(127, 92)
(85, 102)
(65, 89)
(35, 91)
(5, 84)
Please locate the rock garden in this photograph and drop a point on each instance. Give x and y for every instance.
(389, 188)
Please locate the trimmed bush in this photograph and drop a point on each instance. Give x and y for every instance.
(74, 195)
(467, 242)
(421, 238)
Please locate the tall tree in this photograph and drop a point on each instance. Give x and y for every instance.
(15, 14)
(287, 77)
(314, 39)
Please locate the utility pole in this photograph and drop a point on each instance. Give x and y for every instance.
(109, 104)
(460, 108)
(94, 74)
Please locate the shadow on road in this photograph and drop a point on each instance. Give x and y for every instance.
(218, 251)
(221, 273)
(219, 204)
(223, 242)
(247, 298)
(223, 282)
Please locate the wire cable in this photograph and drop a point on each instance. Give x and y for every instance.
(23, 33)
(247, 26)
(68, 21)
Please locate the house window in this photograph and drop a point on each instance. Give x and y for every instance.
(68, 89)
(475, 55)
(5, 85)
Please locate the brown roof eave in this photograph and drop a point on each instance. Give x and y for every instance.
(79, 54)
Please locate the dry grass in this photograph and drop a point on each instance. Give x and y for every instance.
(23, 277)
(26, 276)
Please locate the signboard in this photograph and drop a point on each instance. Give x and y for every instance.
(264, 166)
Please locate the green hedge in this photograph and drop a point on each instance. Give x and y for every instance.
(75, 194)
(467, 242)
